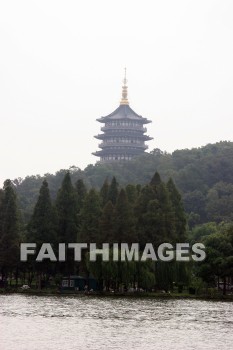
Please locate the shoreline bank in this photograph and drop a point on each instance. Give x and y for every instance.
(140, 295)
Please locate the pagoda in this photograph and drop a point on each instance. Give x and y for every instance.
(123, 134)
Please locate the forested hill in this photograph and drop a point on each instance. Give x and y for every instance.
(203, 175)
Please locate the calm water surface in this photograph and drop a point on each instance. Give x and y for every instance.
(68, 323)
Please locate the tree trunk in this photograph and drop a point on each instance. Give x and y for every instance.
(224, 286)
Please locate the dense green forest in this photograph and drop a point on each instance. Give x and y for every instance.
(152, 213)
(190, 202)
(204, 177)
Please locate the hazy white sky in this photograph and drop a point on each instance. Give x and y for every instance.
(62, 63)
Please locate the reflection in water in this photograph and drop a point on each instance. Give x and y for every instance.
(68, 323)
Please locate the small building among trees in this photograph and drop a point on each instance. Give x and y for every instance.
(78, 284)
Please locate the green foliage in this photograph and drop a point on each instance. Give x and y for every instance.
(104, 193)
(219, 202)
(178, 211)
(148, 207)
(156, 180)
(219, 256)
(146, 274)
(107, 224)
(67, 212)
(66, 205)
(155, 215)
(201, 231)
(195, 203)
(43, 224)
(9, 230)
(81, 193)
(164, 274)
(195, 173)
(132, 193)
(124, 220)
(113, 191)
(89, 218)
(43, 228)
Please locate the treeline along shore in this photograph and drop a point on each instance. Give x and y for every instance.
(150, 213)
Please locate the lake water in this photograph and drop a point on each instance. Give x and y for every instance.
(65, 323)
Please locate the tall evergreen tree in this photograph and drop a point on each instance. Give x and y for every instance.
(42, 227)
(66, 204)
(156, 179)
(113, 191)
(154, 212)
(9, 240)
(132, 194)
(104, 191)
(178, 209)
(107, 223)
(124, 222)
(146, 194)
(161, 195)
(90, 216)
(124, 230)
(144, 224)
(81, 194)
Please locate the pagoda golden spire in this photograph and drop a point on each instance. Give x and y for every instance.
(124, 99)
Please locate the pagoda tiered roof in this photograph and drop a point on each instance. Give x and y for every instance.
(139, 135)
(124, 112)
